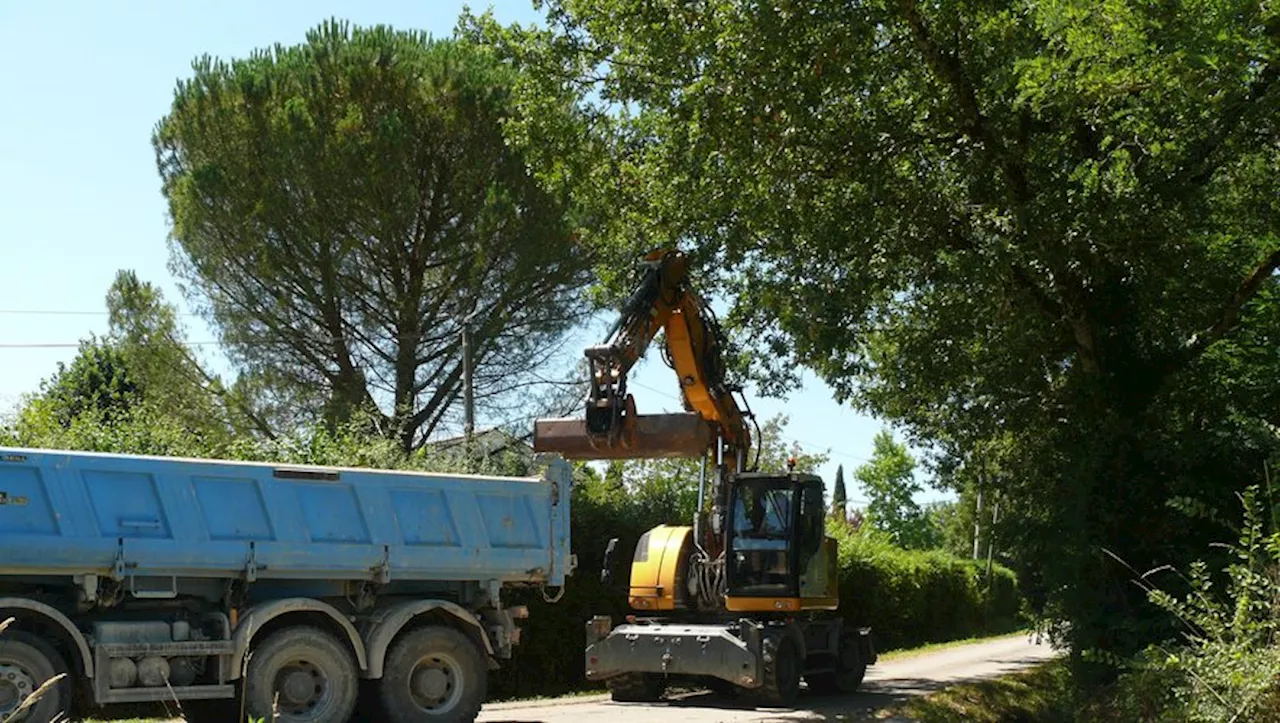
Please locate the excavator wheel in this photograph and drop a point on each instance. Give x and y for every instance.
(850, 670)
(782, 667)
(637, 687)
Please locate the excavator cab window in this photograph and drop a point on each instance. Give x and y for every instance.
(760, 557)
(812, 518)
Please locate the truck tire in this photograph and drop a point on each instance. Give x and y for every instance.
(637, 687)
(849, 672)
(313, 675)
(26, 662)
(782, 664)
(433, 674)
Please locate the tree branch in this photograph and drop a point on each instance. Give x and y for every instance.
(948, 67)
(1228, 317)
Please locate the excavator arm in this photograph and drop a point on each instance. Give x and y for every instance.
(611, 428)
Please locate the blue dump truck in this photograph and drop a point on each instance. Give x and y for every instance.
(244, 588)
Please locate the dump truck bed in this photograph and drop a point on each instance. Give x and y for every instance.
(130, 515)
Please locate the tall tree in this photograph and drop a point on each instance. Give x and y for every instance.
(840, 497)
(98, 380)
(343, 207)
(1051, 222)
(889, 480)
(144, 326)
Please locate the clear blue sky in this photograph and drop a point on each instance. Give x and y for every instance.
(82, 86)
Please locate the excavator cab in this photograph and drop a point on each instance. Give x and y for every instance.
(778, 555)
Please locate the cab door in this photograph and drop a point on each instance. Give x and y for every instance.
(817, 561)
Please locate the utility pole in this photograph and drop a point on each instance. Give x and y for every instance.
(468, 392)
(991, 539)
(977, 521)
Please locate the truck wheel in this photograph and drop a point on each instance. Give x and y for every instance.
(782, 665)
(305, 674)
(26, 662)
(637, 687)
(433, 674)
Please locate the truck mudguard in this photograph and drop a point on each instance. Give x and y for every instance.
(38, 609)
(255, 618)
(388, 622)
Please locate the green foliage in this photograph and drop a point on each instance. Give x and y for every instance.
(1225, 665)
(141, 380)
(341, 207)
(1046, 228)
(99, 380)
(949, 527)
(890, 484)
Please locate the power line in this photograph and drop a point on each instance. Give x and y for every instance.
(76, 345)
(64, 312)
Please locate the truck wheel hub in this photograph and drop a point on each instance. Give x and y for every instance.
(434, 683)
(15, 686)
(301, 687)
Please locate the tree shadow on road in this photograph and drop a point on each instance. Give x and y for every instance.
(874, 696)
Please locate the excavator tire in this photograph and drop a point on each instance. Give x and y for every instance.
(637, 687)
(850, 670)
(782, 664)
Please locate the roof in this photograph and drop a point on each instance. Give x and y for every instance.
(487, 441)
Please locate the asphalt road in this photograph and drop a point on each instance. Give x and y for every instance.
(887, 683)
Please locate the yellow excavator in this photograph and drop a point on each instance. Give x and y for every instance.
(745, 599)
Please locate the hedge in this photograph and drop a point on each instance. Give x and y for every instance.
(911, 597)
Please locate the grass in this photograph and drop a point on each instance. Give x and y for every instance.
(906, 653)
(1042, 694)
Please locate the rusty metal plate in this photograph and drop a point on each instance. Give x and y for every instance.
(650, 435)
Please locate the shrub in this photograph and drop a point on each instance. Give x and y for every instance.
(1226, 667)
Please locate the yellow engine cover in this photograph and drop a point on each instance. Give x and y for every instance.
(659, 568)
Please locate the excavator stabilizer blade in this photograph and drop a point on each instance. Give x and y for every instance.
(650, 435)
